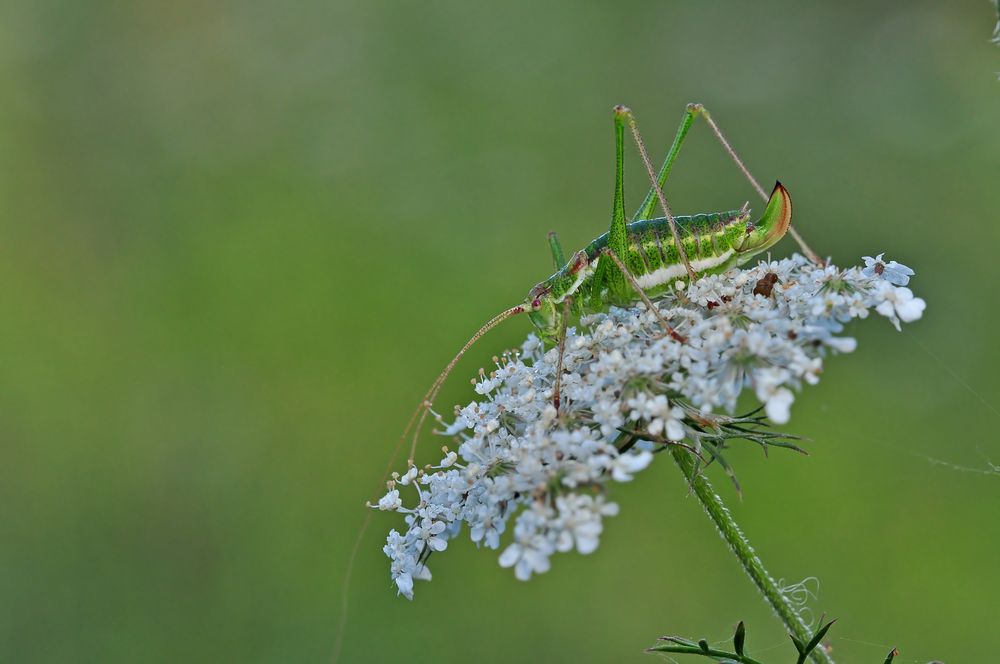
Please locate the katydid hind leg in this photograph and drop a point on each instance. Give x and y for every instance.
(668, 329)
(659, 193)
(618, 232)
(699, 109)
(691, 112)
(558, 256)
(648, 207)
(606, 275)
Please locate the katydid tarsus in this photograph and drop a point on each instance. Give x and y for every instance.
(634, 261)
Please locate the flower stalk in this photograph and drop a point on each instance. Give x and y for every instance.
(740, 546)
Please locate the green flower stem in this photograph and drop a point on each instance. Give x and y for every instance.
(741, 547)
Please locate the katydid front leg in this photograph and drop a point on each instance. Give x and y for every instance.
(556, 392)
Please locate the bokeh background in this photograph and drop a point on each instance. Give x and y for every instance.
(238, 240)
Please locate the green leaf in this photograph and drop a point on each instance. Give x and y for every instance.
(787, 446)
(892, 654)
(739, 637)
(716, 452)
(814, 641)
(801, 648)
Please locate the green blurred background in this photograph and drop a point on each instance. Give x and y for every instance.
(238, 240)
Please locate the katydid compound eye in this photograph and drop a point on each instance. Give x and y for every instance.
(536, 303)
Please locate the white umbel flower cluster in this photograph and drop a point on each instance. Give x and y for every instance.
(766, 329)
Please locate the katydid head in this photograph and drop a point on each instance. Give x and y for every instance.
(547, 302)
(771, 227)
(543, 312)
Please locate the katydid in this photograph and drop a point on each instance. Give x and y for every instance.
(641, 258)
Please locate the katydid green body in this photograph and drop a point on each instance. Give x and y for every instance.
(712, 243)
(653, 254)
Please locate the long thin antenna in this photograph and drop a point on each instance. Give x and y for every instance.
(417, 417)
(659, 194)
(428, 401)
(344, 594)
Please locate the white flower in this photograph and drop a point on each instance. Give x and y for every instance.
(769, 387)
(579, 522)
(657, 411)
(624, 466)
(487, 529)
(390, 502)
(405, 567)
(779, 405)
(528, 557)
(673, 424)
(900, 305)
(550, 471)
(893, 272)
(408, 476)
(529, 554)
(427, 534)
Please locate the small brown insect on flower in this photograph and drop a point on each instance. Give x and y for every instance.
(765, 285)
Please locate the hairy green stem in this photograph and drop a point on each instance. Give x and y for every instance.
(719, 514)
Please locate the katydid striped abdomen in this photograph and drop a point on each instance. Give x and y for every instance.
(712, 242)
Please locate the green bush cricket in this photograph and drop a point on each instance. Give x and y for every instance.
(645, 256)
